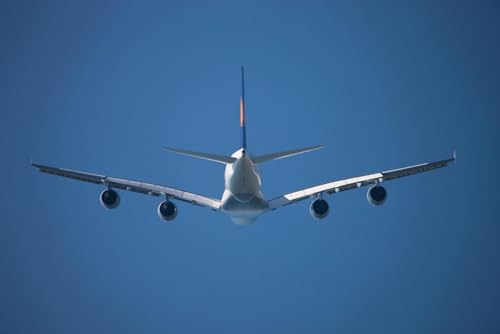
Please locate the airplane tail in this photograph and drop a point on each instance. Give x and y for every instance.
(266, 157)
(242, 110)
(215, 157)
(229, 160)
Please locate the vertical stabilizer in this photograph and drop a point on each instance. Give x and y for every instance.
(242, 110)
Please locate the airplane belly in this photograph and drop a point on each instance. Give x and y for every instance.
(243, 212)
(243, 190)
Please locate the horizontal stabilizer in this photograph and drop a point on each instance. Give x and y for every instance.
(206, 156)
(285, 154)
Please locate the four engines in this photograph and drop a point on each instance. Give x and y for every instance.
(110, 199)
(319, 208)
(376, 195)
(167, 211)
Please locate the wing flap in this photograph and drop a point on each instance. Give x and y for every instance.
(157, 190)
(355, 182)
(81, 176)
(134, 186)
(335, 186)
(329, 188)
(407, 171)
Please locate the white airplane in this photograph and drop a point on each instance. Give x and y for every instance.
(242, 199)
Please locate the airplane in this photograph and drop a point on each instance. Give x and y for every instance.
(242, 199)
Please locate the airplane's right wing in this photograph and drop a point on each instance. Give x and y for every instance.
(355, 182)
(135, 186)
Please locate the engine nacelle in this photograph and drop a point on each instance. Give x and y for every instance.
(167, 211)
(110, 199)
(319, 208)
(376, 195)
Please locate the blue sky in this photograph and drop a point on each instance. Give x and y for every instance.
(101, 86)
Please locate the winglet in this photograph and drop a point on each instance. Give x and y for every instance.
(455, 155)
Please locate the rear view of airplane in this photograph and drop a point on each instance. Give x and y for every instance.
(242, 199)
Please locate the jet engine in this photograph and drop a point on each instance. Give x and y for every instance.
(110, 199)
(319, 208)
(167, 211)
(376, 195)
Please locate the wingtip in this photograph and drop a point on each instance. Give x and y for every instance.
(454, 155)
(33, 164)
(314, 148)
(317, 147)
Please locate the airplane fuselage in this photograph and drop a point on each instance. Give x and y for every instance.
(242, 199)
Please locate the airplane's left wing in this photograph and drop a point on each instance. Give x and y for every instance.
(355, 182)
(135, 186)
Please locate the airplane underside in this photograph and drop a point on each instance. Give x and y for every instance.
(244, 212)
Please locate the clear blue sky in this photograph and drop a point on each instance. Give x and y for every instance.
(101, 86)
